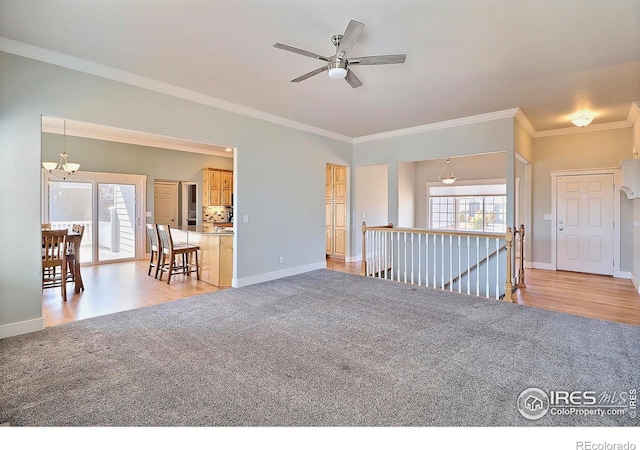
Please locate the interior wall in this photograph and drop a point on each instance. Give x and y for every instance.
(475, 167)
(587, 150)
(278, 171)
(635, 271)
(406, 194)
(116, 157)
(469, 139)
(371, 198)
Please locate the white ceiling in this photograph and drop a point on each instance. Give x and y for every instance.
(464, 57)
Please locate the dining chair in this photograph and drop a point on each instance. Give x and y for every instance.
(54, 254)
(169, 253)
(73, 246)
(154, 246)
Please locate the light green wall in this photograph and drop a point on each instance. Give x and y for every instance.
(597, 149)
(474, 167)
(116, 157)
(472, 139)
(279, 174)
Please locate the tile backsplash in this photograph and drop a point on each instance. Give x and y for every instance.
(215, 214)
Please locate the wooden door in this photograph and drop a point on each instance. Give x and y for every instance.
(585, 223)
(336, 210)
(165, 202)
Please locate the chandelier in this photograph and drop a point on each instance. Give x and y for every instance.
(447, 176)
(62, 169)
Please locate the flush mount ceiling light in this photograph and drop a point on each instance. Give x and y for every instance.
(447, 176)
(583, 118)
(62, 169)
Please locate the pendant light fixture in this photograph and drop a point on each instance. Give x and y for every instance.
(62, 169)
(447, 176)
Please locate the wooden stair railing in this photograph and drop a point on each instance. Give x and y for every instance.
(508, 237)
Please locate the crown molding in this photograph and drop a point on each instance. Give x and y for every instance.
(524, 121)
(86, 130)
(634, 111)
(587, 129)
(100, 70)
(479, 118)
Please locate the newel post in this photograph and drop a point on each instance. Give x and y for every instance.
(521, 282)
(508, 287)
(364, 248)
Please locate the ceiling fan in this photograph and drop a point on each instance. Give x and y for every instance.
(338, 64)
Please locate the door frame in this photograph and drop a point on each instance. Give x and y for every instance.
(617, 273)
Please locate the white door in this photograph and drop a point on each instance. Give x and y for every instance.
(585, 223)
(165, 203)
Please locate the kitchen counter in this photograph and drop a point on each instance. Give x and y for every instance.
(216, 252)
(210, 227)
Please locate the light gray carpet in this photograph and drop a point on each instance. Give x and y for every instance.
(317, 349)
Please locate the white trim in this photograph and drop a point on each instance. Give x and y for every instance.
(634, 112)
(24, 327)
(100, 70)
(88, 130)
(622, 274)
(353, 259)
(616, 210)
(139, 181)
(539, 265)
(587, 129)
(269, 276)
(504, 114)
(524, 121)
(636, 283)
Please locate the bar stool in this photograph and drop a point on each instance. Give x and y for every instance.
(154, 246)
(167, 262)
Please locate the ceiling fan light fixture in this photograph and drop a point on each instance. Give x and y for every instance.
(337, 73)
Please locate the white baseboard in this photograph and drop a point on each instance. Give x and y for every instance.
(636, 283)
(622, 274)
(353, 259)
(27, 326)
(261, 278)
(538, 265)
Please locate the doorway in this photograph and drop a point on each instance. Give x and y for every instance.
(336, 211)
(585, 223)
(165, 203)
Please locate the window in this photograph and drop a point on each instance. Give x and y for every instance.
(468, 207)
(110, 206)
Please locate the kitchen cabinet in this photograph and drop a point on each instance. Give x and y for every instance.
(216, 253)
(336, 211)
(217, 185)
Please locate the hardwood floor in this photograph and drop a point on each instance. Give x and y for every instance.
(116, 287)
(122, 286)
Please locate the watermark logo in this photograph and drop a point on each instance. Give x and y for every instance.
(533, 403)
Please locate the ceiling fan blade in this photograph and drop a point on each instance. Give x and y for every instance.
(300, 51)
(380, 59)
(352, 79)
(309, 75)
(349, 37)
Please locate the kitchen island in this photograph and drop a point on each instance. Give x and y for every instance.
(216, 251)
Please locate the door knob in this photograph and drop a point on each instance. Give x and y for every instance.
(560, 229)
